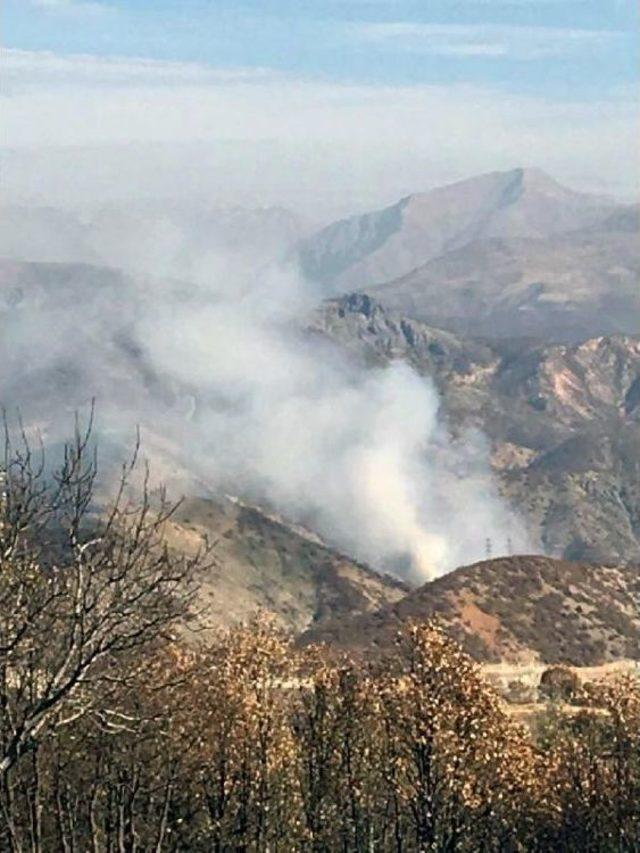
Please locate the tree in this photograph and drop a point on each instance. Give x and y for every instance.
(80, 588)
(465, 775)
(559, 683)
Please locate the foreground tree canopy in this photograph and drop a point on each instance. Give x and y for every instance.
(115, 735)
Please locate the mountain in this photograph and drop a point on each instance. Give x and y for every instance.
(192, 241)
(562, 421)
(75, 332)
(514, 609)
(68, 334)
(564, 287)
(261, 562)
(377, 247)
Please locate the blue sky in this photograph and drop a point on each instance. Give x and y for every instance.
(316, 104)
(564, 48)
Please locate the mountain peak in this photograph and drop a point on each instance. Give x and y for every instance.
(531, 178)
(383, 245)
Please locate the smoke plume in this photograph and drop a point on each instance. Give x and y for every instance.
(233, 397)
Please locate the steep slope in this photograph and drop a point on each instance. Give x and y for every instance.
(73, 333)
(563, 421)
(565, 287)
(260, 562)
(515, 609)
(363, 251)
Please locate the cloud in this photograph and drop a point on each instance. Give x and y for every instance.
(490, 40)
(25, 69)
(252, 136)
(72, 7)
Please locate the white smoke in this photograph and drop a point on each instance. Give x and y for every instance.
(233, 396)
(359, 455)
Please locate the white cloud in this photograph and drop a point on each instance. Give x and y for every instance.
(490, 40)
(43, 70)
(72, 7)
(256, 137)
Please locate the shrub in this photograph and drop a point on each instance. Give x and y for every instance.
(559, 684)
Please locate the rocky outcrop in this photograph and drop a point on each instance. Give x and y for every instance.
(563, 420)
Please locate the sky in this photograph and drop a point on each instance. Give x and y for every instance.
(360, 99)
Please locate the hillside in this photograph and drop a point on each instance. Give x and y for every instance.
(363, 251)
(260, 562)
(563, 421)
(561, 288)
(515, 609)
(70, 336)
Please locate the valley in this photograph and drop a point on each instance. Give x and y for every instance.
(320, 397)
(513, 295)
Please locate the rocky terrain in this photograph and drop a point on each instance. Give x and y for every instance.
(517, 297)
(515, 609)
(562, 420)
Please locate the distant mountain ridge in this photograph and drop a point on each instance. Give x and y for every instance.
(565, 287)
(363, 251)
(161, 238)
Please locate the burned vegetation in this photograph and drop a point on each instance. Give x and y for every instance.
(116, 735)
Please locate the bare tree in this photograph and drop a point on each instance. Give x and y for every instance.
(80, 587)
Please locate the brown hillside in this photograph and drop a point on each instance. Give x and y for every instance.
(260, 562)
(516, 609)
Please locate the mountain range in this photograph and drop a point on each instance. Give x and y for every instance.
(193, 242)
(517, 297)
(505, 254)
(519, 609)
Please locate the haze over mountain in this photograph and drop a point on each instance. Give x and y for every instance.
(364, 278)
(565, 288)
(234, 396)
(188, 239)
(367, 250)
(243, 383)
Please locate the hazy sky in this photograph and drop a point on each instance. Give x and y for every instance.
(320, 103)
